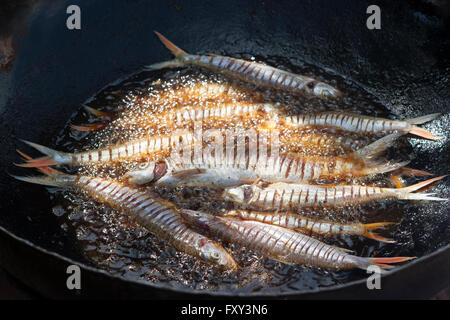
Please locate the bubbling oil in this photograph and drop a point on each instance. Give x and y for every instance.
(112, 241)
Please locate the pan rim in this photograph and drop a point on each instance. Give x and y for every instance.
(208, 292)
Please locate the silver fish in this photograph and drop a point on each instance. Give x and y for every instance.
(236, 163)
(291, 196)
(256, 73)
(281, 244)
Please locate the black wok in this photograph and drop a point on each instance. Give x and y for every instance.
(52, 70)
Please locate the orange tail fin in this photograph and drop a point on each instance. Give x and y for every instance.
(43, 169)
(423, 133)
(176, 51)
(414, 172)
(89, 127)
(385, 262)
(99, 114)
(407, 192)
(38, 163)
(374, 236)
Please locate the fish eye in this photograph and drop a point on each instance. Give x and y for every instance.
(215, 256)
(143, 165)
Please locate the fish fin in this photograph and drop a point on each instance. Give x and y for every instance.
(37, 163)
(414, 172)
(176, 51)
(252, 182)
(422, 132)
(98, 113)
(374, 149)
(385, 262)
(89, 127)
(42, 180)
(374, 236)
(377, 237)
(369, 154)
(343, 249)
(186, 174)
(45, 170)
(280, 259)
(377, 225)
(53, 156)
(423, 119)
(166, 64)
(407, 192)
(374, 167)
(396, 180)
(51, 177)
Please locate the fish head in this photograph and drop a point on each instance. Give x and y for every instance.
(146, 172)
(239, 194)
(324, 90)
(214, 253)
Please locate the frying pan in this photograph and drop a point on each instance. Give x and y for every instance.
(51, 70)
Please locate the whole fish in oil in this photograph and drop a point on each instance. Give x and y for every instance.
(135, 149)
(291, 196)
(281, 244)
(312, 226)
(224, 164)
(362, 124)
(249, 71)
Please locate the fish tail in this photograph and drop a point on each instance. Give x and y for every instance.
(89, 127)
(376, 148)
(414, 172)
(385, 263)
(424, 119)
(373, 226)
(407, 192)
(176, 51)
(42, 180)
(53, 157)
(369, 154)
(45, 170)
(422, 132)
(374, 167)
(98, 113)
(51, 176)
